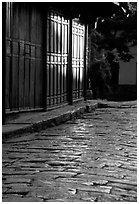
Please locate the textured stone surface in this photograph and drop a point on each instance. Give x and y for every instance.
(35, 122)
(90, 159)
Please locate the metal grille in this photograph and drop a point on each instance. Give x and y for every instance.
(57, 58)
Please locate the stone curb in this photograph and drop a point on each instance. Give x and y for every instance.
(57, 120)
(115, 105)
(50, 122)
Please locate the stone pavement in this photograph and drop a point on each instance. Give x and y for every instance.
(90, 159)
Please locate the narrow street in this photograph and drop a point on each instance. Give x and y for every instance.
(90, 159)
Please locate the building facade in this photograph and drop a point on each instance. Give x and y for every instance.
(44, 58)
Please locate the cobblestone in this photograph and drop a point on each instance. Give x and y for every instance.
(90, 159)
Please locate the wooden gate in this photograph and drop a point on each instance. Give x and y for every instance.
(23, 57)
(57, 58)
(37, 58)
(78, 34)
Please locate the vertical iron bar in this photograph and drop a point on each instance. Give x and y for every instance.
(44, 57)
(3, 59)
(70, 81)
(85, 67)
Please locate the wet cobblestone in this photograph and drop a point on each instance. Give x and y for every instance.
(90, 159)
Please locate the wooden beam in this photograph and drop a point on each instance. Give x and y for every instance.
(3, 59)
(44, 57)
(85, 67)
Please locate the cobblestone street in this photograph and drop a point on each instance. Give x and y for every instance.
(92, 158)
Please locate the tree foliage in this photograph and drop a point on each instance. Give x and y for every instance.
(118, 32)
(114, 36)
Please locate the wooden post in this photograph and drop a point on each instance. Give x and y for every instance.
(3, 59)
(70, 74)
(44, 57)
(85, 67)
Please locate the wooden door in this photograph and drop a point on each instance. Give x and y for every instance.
(23, 57)
(57, 58)
(78, 32)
